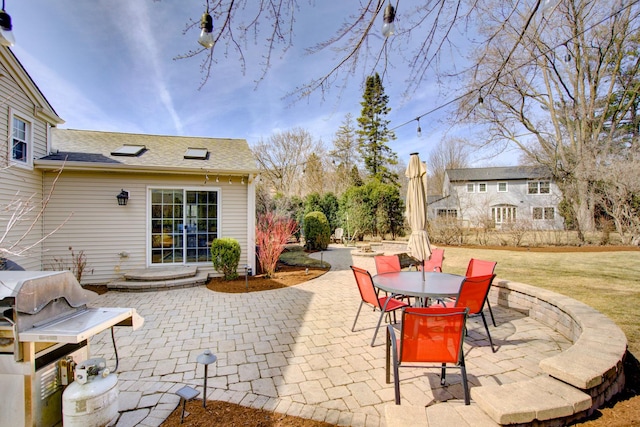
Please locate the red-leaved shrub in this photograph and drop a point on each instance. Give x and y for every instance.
(272, 233)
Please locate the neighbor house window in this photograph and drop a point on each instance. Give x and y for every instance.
(547, 213)
(482, 187)
(447, 213)
(502, 214)
(471, 188)
(502, 187)
(21, 145)
(539, 187)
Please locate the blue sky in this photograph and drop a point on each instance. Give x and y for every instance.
(109, 65)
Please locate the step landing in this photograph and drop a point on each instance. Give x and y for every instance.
(159, 279)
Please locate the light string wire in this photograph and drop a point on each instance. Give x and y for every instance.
(501, 70)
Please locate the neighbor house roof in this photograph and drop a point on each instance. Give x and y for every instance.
(498, 173)
(84, 149)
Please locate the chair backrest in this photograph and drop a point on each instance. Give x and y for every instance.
(473, 292)
(432, 334)
(435, 261)
(478, 267)
(387, 263)
(365, 286)
(338, 233)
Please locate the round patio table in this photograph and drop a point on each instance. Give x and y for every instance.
(411, 283)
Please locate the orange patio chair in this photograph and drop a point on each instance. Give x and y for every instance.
(473, 295)
(428, 335)
(478, 267)
(369, 295)
(387, 263)
(435, 261)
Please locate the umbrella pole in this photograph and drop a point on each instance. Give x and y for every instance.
(423, 275)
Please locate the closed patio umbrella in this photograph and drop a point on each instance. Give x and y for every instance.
(419, 246)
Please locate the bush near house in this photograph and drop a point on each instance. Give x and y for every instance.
(317, 232)
(225, 253)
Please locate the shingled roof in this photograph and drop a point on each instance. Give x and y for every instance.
(93, 149)
(499, 173)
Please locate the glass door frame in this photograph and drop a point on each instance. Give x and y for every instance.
(178, 233)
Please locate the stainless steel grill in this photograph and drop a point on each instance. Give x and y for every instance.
(45, 326)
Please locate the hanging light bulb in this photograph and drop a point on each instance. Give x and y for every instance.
(389, 28)
(419, 130)
(206, 35)
(242, 182)
(217, 178)
(6, 29)
(230, 181)
(480, 99)
(567, 56)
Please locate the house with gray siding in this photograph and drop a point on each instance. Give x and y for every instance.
(125, 201)
(500, 197)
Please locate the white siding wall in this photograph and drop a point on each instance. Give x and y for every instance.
(102, 229)
(20, 183)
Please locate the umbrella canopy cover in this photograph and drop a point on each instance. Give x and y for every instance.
(419, 246)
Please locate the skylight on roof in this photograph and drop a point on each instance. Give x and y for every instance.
(196, 153)
(129, 150)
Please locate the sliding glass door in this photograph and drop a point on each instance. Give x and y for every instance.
(184, 222)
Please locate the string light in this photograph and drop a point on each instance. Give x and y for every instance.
(242, 182)
(230, 181)
(217, 178)
(419, 130)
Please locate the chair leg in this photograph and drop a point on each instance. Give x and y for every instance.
(465, 383)
(353, 328)
(377, 327)
(486, 327)
(491, 312)
(443, 374)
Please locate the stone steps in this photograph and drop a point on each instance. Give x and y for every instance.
(161, 279)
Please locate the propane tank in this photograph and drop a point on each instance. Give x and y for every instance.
(92, 399)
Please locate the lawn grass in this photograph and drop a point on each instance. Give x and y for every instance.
(606, 281)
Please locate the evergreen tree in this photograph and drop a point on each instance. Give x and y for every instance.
(373, 133)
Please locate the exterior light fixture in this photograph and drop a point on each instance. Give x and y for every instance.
(388, 28)
(123, 198)
(206, 358)
(419, 130)
(206, 35)
(6, 33)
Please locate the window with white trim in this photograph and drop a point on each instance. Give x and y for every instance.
(539, 187)
(502, 187)
(21, 144)
(503, 214)
(482, 187)
(471, 188)
(545, 213)
(447, 213)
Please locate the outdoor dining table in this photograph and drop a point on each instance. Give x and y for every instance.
(424, 286)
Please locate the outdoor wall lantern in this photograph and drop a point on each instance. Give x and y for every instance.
(388, 28)
(206, 358)
(6, 33)
(123, 198)
(206, 35)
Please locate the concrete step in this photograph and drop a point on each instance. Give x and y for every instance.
(199, 278)
(162, 273)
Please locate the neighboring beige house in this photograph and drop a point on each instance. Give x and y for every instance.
(182, 192)
(500, 196)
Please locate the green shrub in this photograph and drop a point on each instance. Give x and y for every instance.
(316, 231)
(225, 254)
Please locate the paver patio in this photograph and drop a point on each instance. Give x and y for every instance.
(292, 350)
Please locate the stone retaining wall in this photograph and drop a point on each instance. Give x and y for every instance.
(594, 363)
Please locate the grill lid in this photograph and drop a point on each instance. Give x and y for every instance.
(33, 290)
